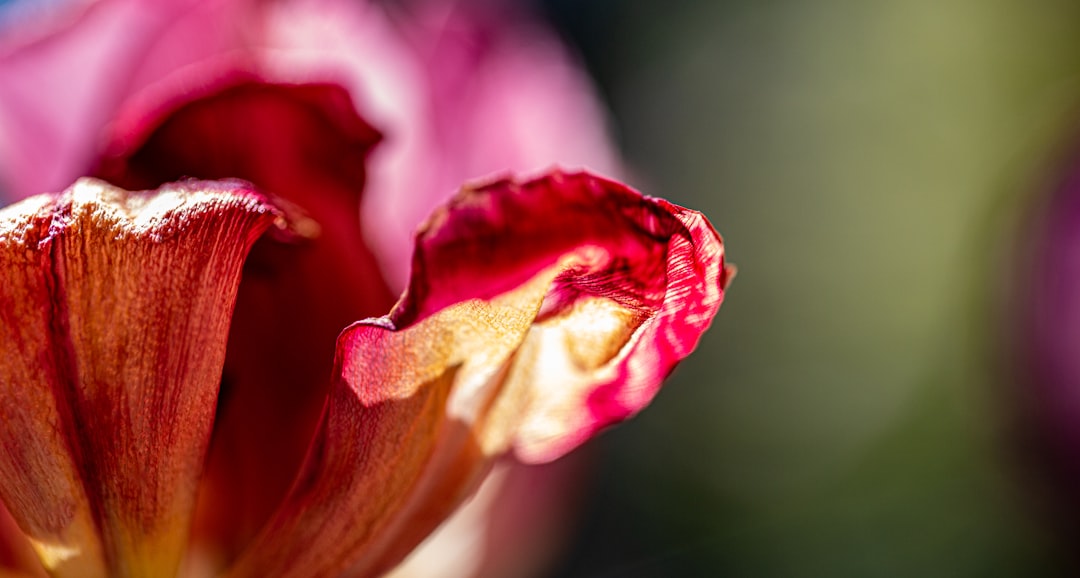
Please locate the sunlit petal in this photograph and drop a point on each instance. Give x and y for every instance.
(537, 313)
(114, 312)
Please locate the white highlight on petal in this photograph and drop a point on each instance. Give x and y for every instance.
(53, 555)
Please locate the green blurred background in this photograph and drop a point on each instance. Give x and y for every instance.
(864, 162)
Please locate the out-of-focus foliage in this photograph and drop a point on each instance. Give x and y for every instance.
(863, 160)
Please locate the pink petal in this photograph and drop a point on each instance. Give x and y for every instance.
(64, 76)
(500, 94)
(537, 313)
(463, 90)
(114, 313)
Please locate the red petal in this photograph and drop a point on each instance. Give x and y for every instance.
(114, 311)
(537, 313)
(17, 557)
(307, 145)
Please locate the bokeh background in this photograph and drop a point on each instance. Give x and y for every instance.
(867, 164)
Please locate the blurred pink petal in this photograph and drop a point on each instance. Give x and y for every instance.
(1044, 340)
(63, 79)
(455, 88)
(502, 95)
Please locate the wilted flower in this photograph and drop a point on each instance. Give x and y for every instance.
(225, 359)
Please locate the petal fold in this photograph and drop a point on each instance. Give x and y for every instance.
(536, 314)
(114, 315)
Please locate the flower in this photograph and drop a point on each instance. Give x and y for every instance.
(227, 355)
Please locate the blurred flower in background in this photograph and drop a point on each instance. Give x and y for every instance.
(142, 94)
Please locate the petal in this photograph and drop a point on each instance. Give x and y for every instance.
(537, 313)
(114, 312)
(17, 557)
(65, 73)
(305, 144)
(505, 96)
(516, 524)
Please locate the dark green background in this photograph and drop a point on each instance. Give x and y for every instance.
(866, 163)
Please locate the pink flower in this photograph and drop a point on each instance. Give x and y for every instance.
(227, 356)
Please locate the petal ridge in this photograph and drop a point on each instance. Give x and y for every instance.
(113, 320)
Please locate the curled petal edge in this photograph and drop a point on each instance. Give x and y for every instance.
(537, 313)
